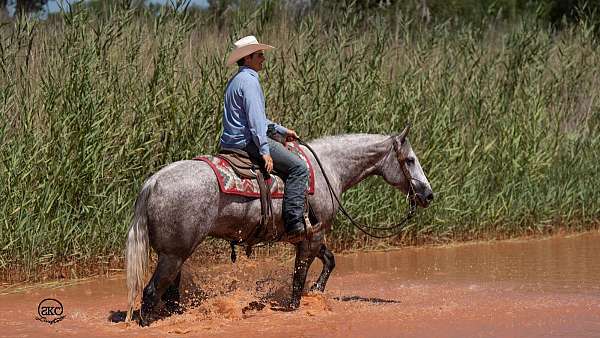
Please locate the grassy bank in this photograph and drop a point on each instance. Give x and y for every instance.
(506, 118)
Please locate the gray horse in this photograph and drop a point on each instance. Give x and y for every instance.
(181, 204)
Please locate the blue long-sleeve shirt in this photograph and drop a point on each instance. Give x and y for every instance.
(244, 118)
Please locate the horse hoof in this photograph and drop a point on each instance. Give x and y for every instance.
(146, 318)
(144, 322)
(317, 288)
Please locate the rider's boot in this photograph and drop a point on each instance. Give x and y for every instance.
(295, 232)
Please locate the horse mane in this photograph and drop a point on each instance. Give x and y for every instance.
(345, 137)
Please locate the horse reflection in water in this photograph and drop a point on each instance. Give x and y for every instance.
(182, 204)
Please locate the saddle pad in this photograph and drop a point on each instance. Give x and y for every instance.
(231, 183)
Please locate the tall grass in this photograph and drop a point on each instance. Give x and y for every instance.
(505, 118)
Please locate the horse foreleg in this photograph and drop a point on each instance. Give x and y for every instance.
(306, 252)
(166, 272)
(326, 257)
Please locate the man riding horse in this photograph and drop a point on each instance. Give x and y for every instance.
(245, 128)
(184, 202)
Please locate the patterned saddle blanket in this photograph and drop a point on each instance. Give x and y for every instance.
(231, 183)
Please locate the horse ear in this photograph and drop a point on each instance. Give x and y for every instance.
(403, 134)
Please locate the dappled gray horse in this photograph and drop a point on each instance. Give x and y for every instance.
(181, 204)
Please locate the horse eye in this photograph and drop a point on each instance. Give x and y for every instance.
(410, 161)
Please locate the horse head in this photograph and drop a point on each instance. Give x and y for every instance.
(401, 168)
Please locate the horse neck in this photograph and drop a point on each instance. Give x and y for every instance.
(352, 158)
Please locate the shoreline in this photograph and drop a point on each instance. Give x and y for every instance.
(277, 251)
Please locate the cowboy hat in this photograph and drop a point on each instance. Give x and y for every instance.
(245, 46)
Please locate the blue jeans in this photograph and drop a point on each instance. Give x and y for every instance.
(294, 172)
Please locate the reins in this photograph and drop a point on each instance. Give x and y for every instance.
(366, 229)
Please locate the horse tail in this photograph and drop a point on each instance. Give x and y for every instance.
(137, 255)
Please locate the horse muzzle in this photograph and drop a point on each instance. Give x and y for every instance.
(424, 199)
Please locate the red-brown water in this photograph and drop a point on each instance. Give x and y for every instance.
(530, 288)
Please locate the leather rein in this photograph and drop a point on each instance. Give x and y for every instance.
(371, 230)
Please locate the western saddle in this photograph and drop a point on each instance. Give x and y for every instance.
(246, 167)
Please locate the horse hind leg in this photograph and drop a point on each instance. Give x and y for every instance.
(328, 260)
(167, 271)
(171, 298)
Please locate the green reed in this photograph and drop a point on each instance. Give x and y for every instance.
(505, 118)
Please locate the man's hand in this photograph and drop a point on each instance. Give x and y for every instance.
(268, 162)
(291, 135)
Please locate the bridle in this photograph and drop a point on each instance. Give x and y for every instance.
(410, 196)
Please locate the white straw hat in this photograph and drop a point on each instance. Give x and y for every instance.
(245, 46)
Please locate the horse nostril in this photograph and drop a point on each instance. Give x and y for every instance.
(429, 197)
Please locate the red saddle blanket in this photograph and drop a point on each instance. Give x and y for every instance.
(231, 183)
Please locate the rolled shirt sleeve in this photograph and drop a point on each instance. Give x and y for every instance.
(280, 129)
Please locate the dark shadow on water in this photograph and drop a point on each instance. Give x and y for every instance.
(283, 304)
(366, 299)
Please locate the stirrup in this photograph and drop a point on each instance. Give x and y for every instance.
(309, 228)
(307, 234)
(295, 238)
(298, 236)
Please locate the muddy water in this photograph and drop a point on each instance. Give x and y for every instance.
(532, 288)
